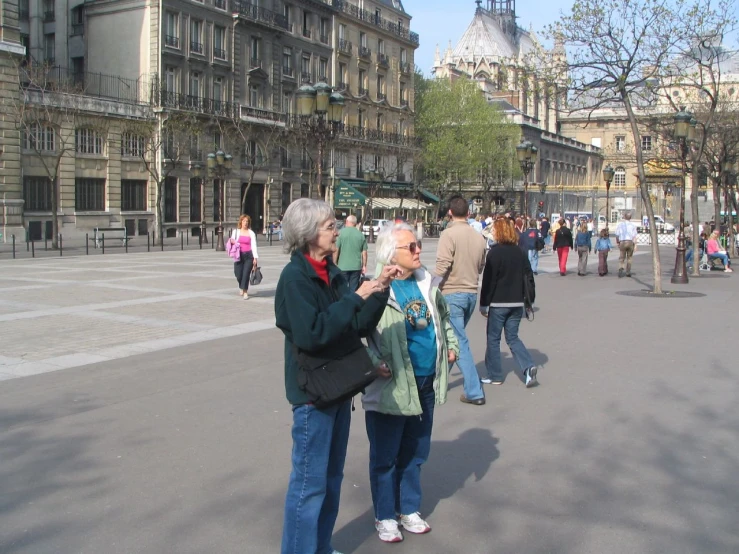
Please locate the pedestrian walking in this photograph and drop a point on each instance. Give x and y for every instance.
(531, 242)
(416, 340)
(502, 303)
(460, 258)
(603, 247)
(583, 242)
(351, 253)
(318, 315)
(545, 232)
(563, 245)
(249, 258)
(625, 239)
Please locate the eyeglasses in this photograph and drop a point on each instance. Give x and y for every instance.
(412, 247)
(331, 227)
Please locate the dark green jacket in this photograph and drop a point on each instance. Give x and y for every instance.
(319, 319)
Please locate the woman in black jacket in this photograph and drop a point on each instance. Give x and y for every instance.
(502, 303)
(563, 245)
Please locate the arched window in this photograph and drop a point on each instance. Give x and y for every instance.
(88, 141)
(619, 178)
(132, 145)
(40, 137)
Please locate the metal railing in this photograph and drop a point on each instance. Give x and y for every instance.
(78, 29)
(175, 100)
(259, 113)
(341, 85)
(288, 71)
(50, 78)
(323, 39)
(361, 91)
(220, 4)
(365, 52)
(381, 96)
(49, 16)
(259, 14)
(403, 102)
(405, 68)
(196, 47)
(345, 47)
(255, 63)
(172, 41)
(305, 77)
(219, 53)
(372, 19)
(306, 32)
(383, 60)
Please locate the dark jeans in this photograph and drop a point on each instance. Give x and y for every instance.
(508, 319)
(312, 504)
(399, 446)
(352, 277)
(242, 269)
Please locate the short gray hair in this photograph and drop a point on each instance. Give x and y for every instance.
(387, 241)
(351, 220)
(301, 222)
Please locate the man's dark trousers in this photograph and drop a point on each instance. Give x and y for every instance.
(353, 277)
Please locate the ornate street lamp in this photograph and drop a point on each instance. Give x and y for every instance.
(320, 113)
(197, 172)
(608, 173)
(374, 180)
(526, 154)
(685, 133)
(219, 165)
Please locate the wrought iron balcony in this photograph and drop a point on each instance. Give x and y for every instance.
(374, 135)
(345, 47)
(365, 52)
(372, 19)
(324, 39)
(305, 77)
(255, 63)
(78, 29)
(259, 14)
(405, 68)
(288, 71)
(219, 53)
(383, 60)
(322, 79)
(220, 4)
(172, 41)
(342, 86)
(49, 16)
(306, 32)
(196, 47)
(259, 113)
(169, 99)
(381, 96)
(361, 91)
(403, 102)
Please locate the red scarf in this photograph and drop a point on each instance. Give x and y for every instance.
(321, 268)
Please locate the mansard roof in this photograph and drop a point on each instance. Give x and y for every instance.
(493, 37)
(395, 4)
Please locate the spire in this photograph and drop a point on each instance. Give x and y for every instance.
(437, 57)
(449, 53)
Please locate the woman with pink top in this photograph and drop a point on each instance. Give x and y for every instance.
(247, 241)
(714, 250)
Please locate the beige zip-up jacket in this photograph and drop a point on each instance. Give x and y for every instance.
(460, 258)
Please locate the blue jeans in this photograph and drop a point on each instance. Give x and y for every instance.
(352, 278)
(508, 319)
(534, 260)
(723, 257)
(312, 504)
(399, 446)
(461, 308)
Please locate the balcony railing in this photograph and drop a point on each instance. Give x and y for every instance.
(78, 29)
(324, 39)
(403, 102)
(288, 71)
(372, 19)
(172, 41)
(306, 32)
(373, 135)
(49, 16)
(259, 14)
(305, 77)
(381, 96)
(383, 60)
(361, 91)
(405, 68)
(255, 63)
(169, 99)
(342, 86)
(49, 78)
(345, 47)
(365, 52)
(196, 47)
(220, 4)
(23, 11)
(219, 53)
(322, 79)
(259, 113)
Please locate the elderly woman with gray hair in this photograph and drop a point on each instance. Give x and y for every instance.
(318, 314)
(416, 340)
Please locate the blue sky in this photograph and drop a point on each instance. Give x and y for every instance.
(439, 21)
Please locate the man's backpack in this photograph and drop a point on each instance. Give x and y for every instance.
(539, 244)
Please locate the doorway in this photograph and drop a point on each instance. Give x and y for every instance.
(254, 205)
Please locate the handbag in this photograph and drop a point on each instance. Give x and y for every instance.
(329, 380)
(529, 295)
(256, 276)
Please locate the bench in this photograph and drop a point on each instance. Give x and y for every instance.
(111, 233)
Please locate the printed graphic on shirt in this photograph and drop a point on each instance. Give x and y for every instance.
(416, 312)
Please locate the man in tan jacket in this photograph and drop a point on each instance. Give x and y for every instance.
(460, 258)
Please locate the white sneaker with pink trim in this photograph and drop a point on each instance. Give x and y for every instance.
(388, 531)
(414, 524)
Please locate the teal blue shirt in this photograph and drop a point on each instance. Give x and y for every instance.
(421, 341)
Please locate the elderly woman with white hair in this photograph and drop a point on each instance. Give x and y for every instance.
(318, 315)
(416, 340)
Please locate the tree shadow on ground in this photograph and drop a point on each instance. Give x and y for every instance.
(450, 465)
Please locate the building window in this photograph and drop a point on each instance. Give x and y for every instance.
(194, 86)
(170, 79)
(37, 194)
(342, 72)
(380, 46)
(219, 42)
(342, 31)
(340, 158)
(403, 56)
(287, 190)
(88, 141)
(323, 69)
(360, 118)
(305, 68)
(646, 143)
(360, 165)
(49, 14)
(218, 93)
(252, 153)
(303, 190)
(89, 195)
(255, 98)
(40, 138)
(620, 143)
(196, 36)
(287, 12)
(287, 61)
(256, 49)
(306, 23)
(49, 48)
(362, 82)
(363, 40)
(287, 102)
(132, 146)
(381, 86)
(324, 38)
(133, 195)
(172, 30)
(619, 177)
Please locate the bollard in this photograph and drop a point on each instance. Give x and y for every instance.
(187, 238)
(125, 241)
(13, 246)
(270, 237)
(61, 245)
(46, 242)
(212, 241)
(33, 250)
(102, 240)
(27, 249)
(161, 241)
(87, 244)
(148, 242)
(200, 239)
(182, 241)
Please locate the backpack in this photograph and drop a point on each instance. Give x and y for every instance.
(539, 244)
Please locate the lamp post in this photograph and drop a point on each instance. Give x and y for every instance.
(526, 154)
(320, 114)
(219, 165)
(608, 173)
(197, 172)
(374, 180)
(727, 166)
(685, 133)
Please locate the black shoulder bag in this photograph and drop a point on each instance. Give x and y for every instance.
(329, 379)
(529, 295)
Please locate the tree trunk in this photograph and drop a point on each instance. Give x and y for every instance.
(54, 213)
(717, 204)
(159, 218)
(696, 221)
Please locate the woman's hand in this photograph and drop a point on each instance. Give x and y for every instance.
(451, 356)
(368, 288)
(389, 273)
(384, 371)
(255, 263)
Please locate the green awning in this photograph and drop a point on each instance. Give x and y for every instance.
(430, 196)
(346, 197)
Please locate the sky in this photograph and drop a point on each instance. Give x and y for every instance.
(439, 21)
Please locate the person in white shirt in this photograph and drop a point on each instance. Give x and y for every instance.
(625, 237)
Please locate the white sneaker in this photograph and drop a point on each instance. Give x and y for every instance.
(414, 524)
(246, 296)
(728, 270)
(388, 531)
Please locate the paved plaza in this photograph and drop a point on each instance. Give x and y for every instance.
(142, 410)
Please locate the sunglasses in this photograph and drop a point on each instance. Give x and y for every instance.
(412, 247)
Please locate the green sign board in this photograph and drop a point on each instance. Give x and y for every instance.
(347, 197)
